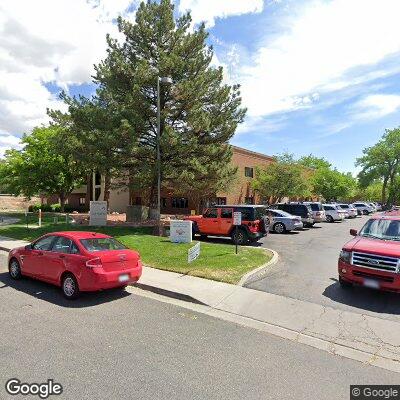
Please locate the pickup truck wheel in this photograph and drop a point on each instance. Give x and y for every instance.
(344, 285)
(329, 218)
(239, 238)
(279, 227)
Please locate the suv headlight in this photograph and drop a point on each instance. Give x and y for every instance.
(345, 256)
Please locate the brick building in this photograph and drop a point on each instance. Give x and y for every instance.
(241, 192)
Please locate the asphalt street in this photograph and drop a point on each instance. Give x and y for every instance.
(307, 270)
(114, 345)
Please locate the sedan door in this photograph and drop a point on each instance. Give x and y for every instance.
(56, 259)
(36, 257)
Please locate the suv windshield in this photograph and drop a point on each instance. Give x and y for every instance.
(102, 244)
(384, 229)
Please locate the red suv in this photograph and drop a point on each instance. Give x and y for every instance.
(218, 221)
(372, 258)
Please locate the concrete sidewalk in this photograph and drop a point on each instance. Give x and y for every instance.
(368, 339)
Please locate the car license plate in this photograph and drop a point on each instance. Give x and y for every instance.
(124, 278)
(370, 283)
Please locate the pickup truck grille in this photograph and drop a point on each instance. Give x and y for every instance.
(372, 261)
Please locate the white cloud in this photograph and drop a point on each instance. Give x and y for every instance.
(54, 41)
(209, 10)
(320, 47)
(376, 106)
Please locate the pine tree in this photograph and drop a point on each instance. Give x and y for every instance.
(200, 112)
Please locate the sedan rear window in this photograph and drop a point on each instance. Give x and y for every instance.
(102, 244)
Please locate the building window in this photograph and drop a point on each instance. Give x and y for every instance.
(249, 200)
(248, 172)
(82, 201)
(164, 202)
(180, 202)
(221, 201)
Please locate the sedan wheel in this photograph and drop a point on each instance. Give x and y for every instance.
(70, 287)
(15, 269)
(279, 228)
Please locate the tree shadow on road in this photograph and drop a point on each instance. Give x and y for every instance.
(53, 294)
(364, 298)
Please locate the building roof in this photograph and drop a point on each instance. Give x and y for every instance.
(252, 153)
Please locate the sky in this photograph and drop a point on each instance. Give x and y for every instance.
(316, 76)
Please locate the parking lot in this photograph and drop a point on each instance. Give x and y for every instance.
(307, 270)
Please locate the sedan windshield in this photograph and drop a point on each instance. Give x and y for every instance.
(102, 244)
(384, 229)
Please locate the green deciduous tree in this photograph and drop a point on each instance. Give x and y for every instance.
(332, 184)
(381, 162)
(282, 178)
(42, 166)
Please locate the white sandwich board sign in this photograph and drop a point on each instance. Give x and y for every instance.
(180, 231)
(98, 213)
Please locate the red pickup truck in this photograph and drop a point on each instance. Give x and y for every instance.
(372, 258)
(218, 221)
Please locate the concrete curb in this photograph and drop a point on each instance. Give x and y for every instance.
(258, 273)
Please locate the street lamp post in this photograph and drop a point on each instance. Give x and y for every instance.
(163, 80)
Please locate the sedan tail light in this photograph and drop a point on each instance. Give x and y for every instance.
(94, 263)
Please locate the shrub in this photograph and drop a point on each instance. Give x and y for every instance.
(43, 207)
(55, 207)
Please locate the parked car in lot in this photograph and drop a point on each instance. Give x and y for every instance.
(378, 206)
(282, 222)
(372, 257)
(302, 210)
(218, 221)
(76, 261)
(350, 209)
(318, 212)
(364, 208)
(333, 213)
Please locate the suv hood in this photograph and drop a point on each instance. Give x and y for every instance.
(193, 218)
(375, 246)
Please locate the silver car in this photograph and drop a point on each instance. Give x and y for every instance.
(282, 222)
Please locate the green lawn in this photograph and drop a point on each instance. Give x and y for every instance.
(217, 261)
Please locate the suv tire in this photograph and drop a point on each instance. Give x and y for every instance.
(344, 284)
(329, 218)
(241, 238)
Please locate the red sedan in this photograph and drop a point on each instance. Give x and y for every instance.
(76, 261)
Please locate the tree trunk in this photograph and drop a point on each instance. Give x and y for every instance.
(62, 201)
(88, 191)
(385, 181)
(107, 183)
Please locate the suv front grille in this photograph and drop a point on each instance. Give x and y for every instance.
(372, 261)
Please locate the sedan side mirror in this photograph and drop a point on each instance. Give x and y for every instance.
(353, 232)
(28, 246)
